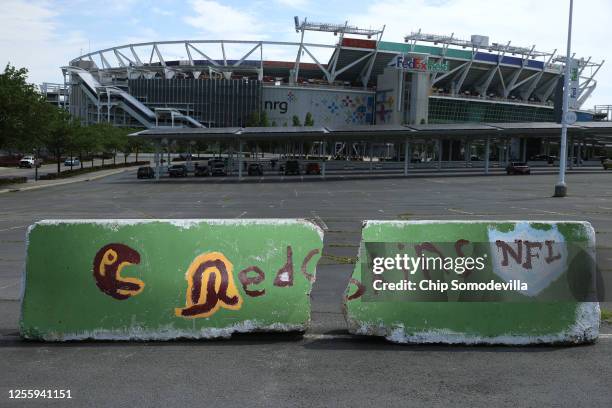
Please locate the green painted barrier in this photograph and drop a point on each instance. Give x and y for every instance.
(541, 307)
(167, 279)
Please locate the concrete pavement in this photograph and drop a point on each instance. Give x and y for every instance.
(325, 367)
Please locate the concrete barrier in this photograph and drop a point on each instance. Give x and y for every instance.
(541, 312)
(167, 279)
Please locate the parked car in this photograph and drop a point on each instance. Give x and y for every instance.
(255, 169)
(518, 168)
(607, 164)
(313, 168)
(292, 167)
(543, 157)
(29, 162)
(145, 172)
(201, 170)
(218, 169)
(72, 162)
(177, 170)
(211, 162)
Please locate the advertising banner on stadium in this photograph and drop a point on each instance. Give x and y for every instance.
(418, 63)
(329, 107)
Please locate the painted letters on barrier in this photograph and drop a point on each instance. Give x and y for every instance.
(211, 285)
(107, 266)
(148, 279)
(529, 260)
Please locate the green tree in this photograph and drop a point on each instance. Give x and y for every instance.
(59, 136)
(201, 146)
(86, 143)
(134, 145)
(296, 121)
(35, 136)
(252, 119)
(22, 109)
(263, 119)
(308, 121)
(110, 140)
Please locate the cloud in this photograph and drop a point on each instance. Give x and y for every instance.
(296, 4)
(42, 35)
(161, 12)
(30, 37)
(218, 21)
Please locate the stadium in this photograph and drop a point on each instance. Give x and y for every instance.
(359, 81)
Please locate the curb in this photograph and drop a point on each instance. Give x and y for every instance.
(64, 182)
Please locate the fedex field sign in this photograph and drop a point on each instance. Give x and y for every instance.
(419, 64)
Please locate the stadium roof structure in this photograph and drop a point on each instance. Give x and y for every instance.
(593, 131)
(491, 72)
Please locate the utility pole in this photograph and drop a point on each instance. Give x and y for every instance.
(561, 187)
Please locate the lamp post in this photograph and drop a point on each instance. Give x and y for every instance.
(561, 187)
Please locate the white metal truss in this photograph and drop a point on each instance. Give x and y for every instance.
(442, 56)
(149, 59)
(338, 29)
(526, 94)
(526, 87)
(516, 74)
(452, 40)
(334, 28)
(156, 60)
(487, 78)
(366, 72)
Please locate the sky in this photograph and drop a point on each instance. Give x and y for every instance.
(45, 35)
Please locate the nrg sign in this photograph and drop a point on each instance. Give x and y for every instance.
(280, 106)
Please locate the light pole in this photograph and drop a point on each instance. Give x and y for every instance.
(561, 187)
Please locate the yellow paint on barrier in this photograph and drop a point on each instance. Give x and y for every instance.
(210, 285)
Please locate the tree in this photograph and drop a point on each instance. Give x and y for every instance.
(21, 109)
(133, 145)
(110, 139)
(86, 142)
(200, 146)
(34, 137)
(296, 121)
(59, 137)
(308, 121)
(252, 119)
(263, 119)
(122, 142)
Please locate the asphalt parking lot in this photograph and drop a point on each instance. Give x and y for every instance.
(325, 367)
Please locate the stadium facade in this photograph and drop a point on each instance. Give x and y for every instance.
(365, 80)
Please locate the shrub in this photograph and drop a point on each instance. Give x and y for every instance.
(12, 180)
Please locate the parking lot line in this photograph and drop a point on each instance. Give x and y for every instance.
(13, 228)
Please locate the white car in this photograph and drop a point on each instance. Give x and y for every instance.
(72, 162)
(29, 162)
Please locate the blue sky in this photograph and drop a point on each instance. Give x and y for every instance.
(44, 35)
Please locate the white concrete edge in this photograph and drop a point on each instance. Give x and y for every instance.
(585, 329)
(168, 332)
(407, 222)
(185, 223)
